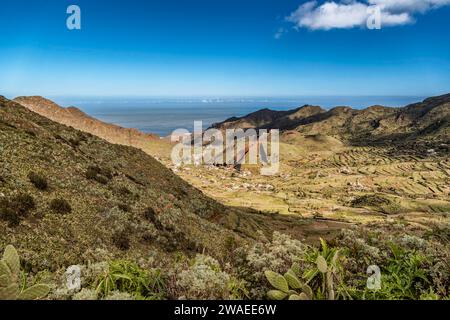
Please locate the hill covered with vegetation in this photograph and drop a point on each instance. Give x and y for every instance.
(428, 120)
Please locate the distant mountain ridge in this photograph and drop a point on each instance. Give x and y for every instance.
(427, 119)
(74, 117)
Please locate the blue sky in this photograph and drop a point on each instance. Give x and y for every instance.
(221, 48)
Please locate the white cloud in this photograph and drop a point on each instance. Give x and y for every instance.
(409, 5)
(351, 14)
(329, 15)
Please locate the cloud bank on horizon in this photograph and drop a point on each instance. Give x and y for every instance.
(347, 14)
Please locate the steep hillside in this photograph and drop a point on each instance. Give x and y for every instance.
(69, 197)
(74, 117)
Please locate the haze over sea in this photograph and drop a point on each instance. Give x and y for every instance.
(163, 115)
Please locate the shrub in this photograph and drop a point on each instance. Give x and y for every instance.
(124, 207)
(124, 191)
(150, 215)
(204, 279)
(404, 276)
(60, 206)
(39, 181)
(101, 175)
(74, 142)
(24, 203)
(101, 179)
(14, 210)
(282, 251)
(85, 294)
(125, 194)
(91, 172)
(371, 200)
(391, 251)
(121, 240)
(8, 215)
(120, 296)
(230, 244)
(439, 233)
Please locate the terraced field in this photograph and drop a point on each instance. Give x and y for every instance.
(347, 184)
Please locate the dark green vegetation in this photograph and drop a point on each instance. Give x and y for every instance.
(407, 270)
(17, 208)
(38, 180)
(60, 206)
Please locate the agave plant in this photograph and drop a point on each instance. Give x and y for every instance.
(10, 275)
(288, 286)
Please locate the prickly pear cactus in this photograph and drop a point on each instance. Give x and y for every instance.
(328, 269)
(277, 281)
(288, 286)
(322, 264)
(10, 276)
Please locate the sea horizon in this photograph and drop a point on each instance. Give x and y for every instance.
(163, 115)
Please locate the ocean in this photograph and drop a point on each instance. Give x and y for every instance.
(163, 115)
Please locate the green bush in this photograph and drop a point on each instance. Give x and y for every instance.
(403, 277)
(74, 142)
(101, 175)
(121, 240)
(124, 191)
(124, 207)
(60, 206)
(150, 215)
(39, 181)
(370, 200)
(16, 209)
